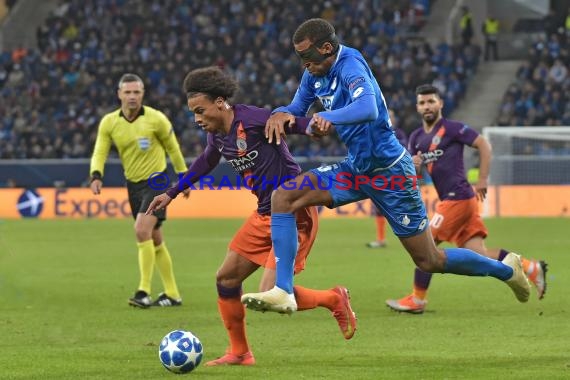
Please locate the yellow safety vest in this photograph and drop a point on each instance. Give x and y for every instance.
(491, 26)
(567, 22)
(464, 20)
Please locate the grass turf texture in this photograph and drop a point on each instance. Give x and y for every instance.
(64, 315)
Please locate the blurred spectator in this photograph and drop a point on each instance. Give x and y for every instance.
(567, 23)
(490, 30)
(466, 25)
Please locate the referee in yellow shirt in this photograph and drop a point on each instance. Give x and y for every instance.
(142, 136)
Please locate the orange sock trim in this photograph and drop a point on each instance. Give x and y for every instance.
(527, 265)
(310, 298)
(420, 293)
(380, 228)
(232, 312)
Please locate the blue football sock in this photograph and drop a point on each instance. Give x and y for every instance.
(467, 262)
(284, 237)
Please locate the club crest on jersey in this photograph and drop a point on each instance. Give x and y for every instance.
(317, 84)
(241, 144)
(327, 102)
(144, 143)
(436, 140)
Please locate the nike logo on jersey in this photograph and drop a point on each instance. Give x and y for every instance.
(220, 148)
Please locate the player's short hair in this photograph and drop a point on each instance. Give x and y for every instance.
(129, 77)
(427, 89)
(318, 31)
(210, 81)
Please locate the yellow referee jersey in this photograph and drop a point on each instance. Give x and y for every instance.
(141, 143)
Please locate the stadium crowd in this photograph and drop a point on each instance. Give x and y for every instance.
(52, 96)
(540, 94)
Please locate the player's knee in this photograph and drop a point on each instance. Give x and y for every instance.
(281, 201)
(142, 234)
(429, 264)
(227, 280)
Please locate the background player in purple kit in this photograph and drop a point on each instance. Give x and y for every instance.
(380, 220)
(237, 134)
(438, 147)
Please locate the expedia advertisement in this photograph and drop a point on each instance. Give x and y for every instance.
(80, 203)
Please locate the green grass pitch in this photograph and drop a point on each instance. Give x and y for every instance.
(64, 315)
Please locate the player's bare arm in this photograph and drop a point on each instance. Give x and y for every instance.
(275, 126)
(484, 148)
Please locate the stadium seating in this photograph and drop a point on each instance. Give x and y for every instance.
(52, 97)
(540, 94)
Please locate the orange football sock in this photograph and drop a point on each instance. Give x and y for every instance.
(310, 298)
(380, 228)
(232, 312)
(419, 293)
(528, 266)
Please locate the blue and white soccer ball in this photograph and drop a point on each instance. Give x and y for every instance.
(180, 351)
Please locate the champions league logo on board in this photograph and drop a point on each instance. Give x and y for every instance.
(30, 204)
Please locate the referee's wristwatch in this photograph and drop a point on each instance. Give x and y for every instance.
(96, 175)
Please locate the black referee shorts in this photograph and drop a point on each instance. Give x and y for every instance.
(140, 196)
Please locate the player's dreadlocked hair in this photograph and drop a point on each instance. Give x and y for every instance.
(210, 81)
(318, 31)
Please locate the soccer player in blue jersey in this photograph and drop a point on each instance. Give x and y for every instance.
(380, 241)
(237, 134)
(340, 77)
(437, 146)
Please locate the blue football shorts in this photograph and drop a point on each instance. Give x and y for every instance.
(394, 190)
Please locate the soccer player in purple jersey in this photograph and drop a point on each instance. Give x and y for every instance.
(237, 134)
(341, 79)
(438, 147)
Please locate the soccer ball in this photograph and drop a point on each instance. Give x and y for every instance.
(180, 351)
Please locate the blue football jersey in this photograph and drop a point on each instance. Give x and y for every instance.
(371, 144)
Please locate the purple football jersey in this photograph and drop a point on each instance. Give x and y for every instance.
(442, 153)
(262, 166)
(401, 136)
